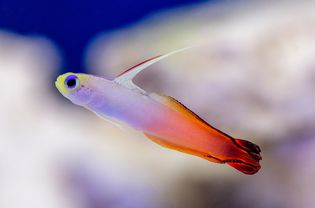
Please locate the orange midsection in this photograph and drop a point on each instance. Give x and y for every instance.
(189, 135)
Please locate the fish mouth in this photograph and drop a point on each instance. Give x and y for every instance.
(59, 84)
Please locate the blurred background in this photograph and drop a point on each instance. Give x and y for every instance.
(251, 74)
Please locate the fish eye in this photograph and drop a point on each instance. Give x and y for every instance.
(72, 82)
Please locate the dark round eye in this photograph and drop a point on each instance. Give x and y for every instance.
(72, 81)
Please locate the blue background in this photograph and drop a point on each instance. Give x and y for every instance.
(72, 24)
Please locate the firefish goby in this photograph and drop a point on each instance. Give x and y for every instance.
(161, 118)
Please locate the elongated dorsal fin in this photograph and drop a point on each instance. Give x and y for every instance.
(125, 78)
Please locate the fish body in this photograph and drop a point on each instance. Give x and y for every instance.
(161, 118)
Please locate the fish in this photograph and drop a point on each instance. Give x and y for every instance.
(161, 118)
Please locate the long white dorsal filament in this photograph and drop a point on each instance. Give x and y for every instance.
(126, 77)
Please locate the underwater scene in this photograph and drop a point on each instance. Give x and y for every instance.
(157, 104)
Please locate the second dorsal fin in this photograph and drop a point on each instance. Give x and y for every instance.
(178, 106)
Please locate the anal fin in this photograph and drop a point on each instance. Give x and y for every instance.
(170, 145)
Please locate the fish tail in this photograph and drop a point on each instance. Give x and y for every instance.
(250, 147)
(247, 160)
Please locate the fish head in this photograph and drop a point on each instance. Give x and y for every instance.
(75, 87)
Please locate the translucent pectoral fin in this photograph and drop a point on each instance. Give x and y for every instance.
(110, 120)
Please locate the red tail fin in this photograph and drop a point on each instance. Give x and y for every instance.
(249, 147)
(248, 163)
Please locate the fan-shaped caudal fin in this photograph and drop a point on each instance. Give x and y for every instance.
(251, 148)
(248, 162)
